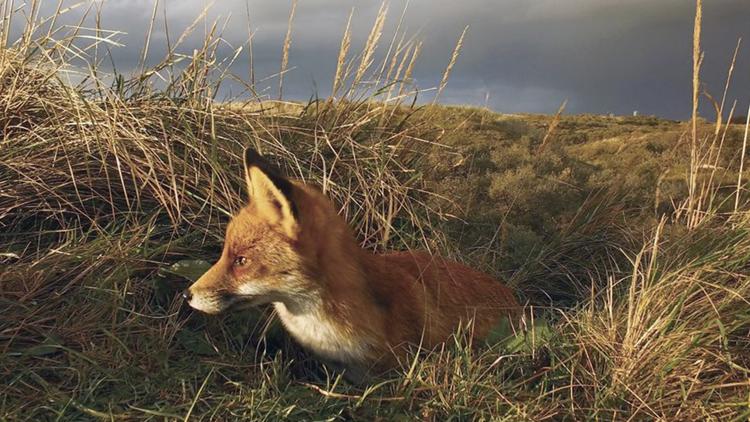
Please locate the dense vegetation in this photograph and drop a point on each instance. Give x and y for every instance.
(113, 196)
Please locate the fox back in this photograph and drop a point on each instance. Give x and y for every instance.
(353, 309)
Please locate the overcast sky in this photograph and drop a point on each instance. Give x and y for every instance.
(524, 55)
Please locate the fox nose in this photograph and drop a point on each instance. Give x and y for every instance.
(187, 295)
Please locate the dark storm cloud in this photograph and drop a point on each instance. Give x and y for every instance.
(522, 55)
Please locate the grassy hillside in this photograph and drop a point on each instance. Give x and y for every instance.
(114, 196)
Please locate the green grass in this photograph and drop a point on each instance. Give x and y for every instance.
(113, 196)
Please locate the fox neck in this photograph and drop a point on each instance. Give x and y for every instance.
(329, 328)
(338, 319)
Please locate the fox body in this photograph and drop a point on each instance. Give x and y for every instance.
(354, 309)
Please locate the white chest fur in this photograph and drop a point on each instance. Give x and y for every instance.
(315, 331)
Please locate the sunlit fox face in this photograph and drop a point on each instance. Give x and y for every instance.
(259, 263)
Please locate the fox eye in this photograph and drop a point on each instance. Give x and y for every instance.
(240, 261)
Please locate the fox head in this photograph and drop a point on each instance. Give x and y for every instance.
(262, 260)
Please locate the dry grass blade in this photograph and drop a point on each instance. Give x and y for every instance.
(552, 126)
(285, 48)
(742, 163)
(250, 35)
(697, 61)
(371, 44)
(396, 33)
(346, 40)
(146, 44)
(409, 69)
(720, 113)
(451, 63)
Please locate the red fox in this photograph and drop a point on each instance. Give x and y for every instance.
(353, 309)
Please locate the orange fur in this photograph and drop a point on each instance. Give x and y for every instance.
(350, 307)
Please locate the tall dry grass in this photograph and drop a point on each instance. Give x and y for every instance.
(706, 149)
(451, 63)
(285, 49)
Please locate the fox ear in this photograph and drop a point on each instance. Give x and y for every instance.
(272, 194)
